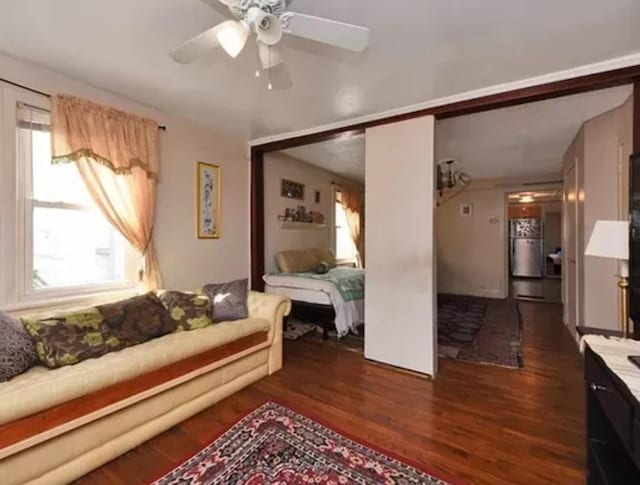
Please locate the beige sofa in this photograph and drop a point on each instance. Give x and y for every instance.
(52, 431)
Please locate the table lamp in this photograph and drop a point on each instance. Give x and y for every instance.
(610, 239)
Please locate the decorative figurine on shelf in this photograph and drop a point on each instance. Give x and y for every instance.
(300, 214)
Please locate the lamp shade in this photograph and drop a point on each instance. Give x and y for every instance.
(609, 239)
(233, 36)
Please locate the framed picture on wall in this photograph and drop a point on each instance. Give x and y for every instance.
(292, 190)
(208, 201)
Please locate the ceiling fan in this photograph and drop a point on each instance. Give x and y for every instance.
(269, 20)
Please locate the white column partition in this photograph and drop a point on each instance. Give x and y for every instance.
(400, 299)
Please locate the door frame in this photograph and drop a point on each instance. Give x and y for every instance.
(555, 89)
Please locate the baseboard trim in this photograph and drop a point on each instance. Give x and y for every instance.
(482, 293)
(395, 368)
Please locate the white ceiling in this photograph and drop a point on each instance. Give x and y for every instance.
(344, 156)
(420, 50)
(525, 140)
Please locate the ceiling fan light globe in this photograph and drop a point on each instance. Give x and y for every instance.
(233, 37)
(267, 26)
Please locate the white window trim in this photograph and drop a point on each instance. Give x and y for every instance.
(16, 294)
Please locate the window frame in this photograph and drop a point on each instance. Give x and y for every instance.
(16, 284)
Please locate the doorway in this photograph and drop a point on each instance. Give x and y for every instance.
(534, 241)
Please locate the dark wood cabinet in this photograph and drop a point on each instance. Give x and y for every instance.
(613, 426)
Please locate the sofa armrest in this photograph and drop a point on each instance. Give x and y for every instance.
(272, 308)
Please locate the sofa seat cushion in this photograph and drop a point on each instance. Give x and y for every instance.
(40, 388)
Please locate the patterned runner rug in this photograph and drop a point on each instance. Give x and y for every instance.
(479, 330)
(274, 445)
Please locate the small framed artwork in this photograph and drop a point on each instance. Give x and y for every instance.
(317, 197)
(208, 201)
(292, 190)
(466, 210)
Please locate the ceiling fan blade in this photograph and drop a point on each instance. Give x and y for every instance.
(218, 3)
(199, 45)
(270, 56)
(332, 32)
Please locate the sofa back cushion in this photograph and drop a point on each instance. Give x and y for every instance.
(17, 352)
(228, 301)
(304, 261)
(72, 338)
(189, 311)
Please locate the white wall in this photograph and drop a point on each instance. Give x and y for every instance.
(185, 262)
(473, 251)
(400, 298)
(607, 150)
(601, 149)
(278, 166)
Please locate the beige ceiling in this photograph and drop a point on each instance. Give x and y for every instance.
(344, 156)
(525, 140)
(420, 50)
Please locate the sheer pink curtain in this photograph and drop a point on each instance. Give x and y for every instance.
(351, 199)
(117, 155)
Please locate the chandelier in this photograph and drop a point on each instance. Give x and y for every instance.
(450, 179)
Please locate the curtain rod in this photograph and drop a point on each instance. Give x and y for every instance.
(42, 93)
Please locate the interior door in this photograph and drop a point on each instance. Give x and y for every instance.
(570, 248)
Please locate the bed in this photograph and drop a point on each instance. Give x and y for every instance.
(334, 300)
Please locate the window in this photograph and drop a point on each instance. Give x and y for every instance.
(68, 244)
(345, 248)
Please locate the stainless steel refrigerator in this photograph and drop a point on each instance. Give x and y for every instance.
(526, 245)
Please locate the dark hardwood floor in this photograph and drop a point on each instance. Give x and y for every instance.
(482, 424)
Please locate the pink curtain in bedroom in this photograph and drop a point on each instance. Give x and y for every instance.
(351, 199)
(117, 154)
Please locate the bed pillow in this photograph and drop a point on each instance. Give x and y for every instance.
(138, 319)
(322, 267)
(189, 311)
(69, 339)
(17, 352)
(228, 301)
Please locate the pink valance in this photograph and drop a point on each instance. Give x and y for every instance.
(119, 140)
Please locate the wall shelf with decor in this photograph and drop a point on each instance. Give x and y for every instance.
(305, 226)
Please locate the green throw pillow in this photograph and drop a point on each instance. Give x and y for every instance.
(189, 311)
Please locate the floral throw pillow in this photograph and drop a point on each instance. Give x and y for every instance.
(17, 353)
(138, 319)
(228, 301)
(189, 311)
(69, 339)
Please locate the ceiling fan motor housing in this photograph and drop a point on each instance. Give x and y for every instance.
(240, 8)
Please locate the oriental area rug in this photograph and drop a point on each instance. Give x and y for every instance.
(275, 445)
